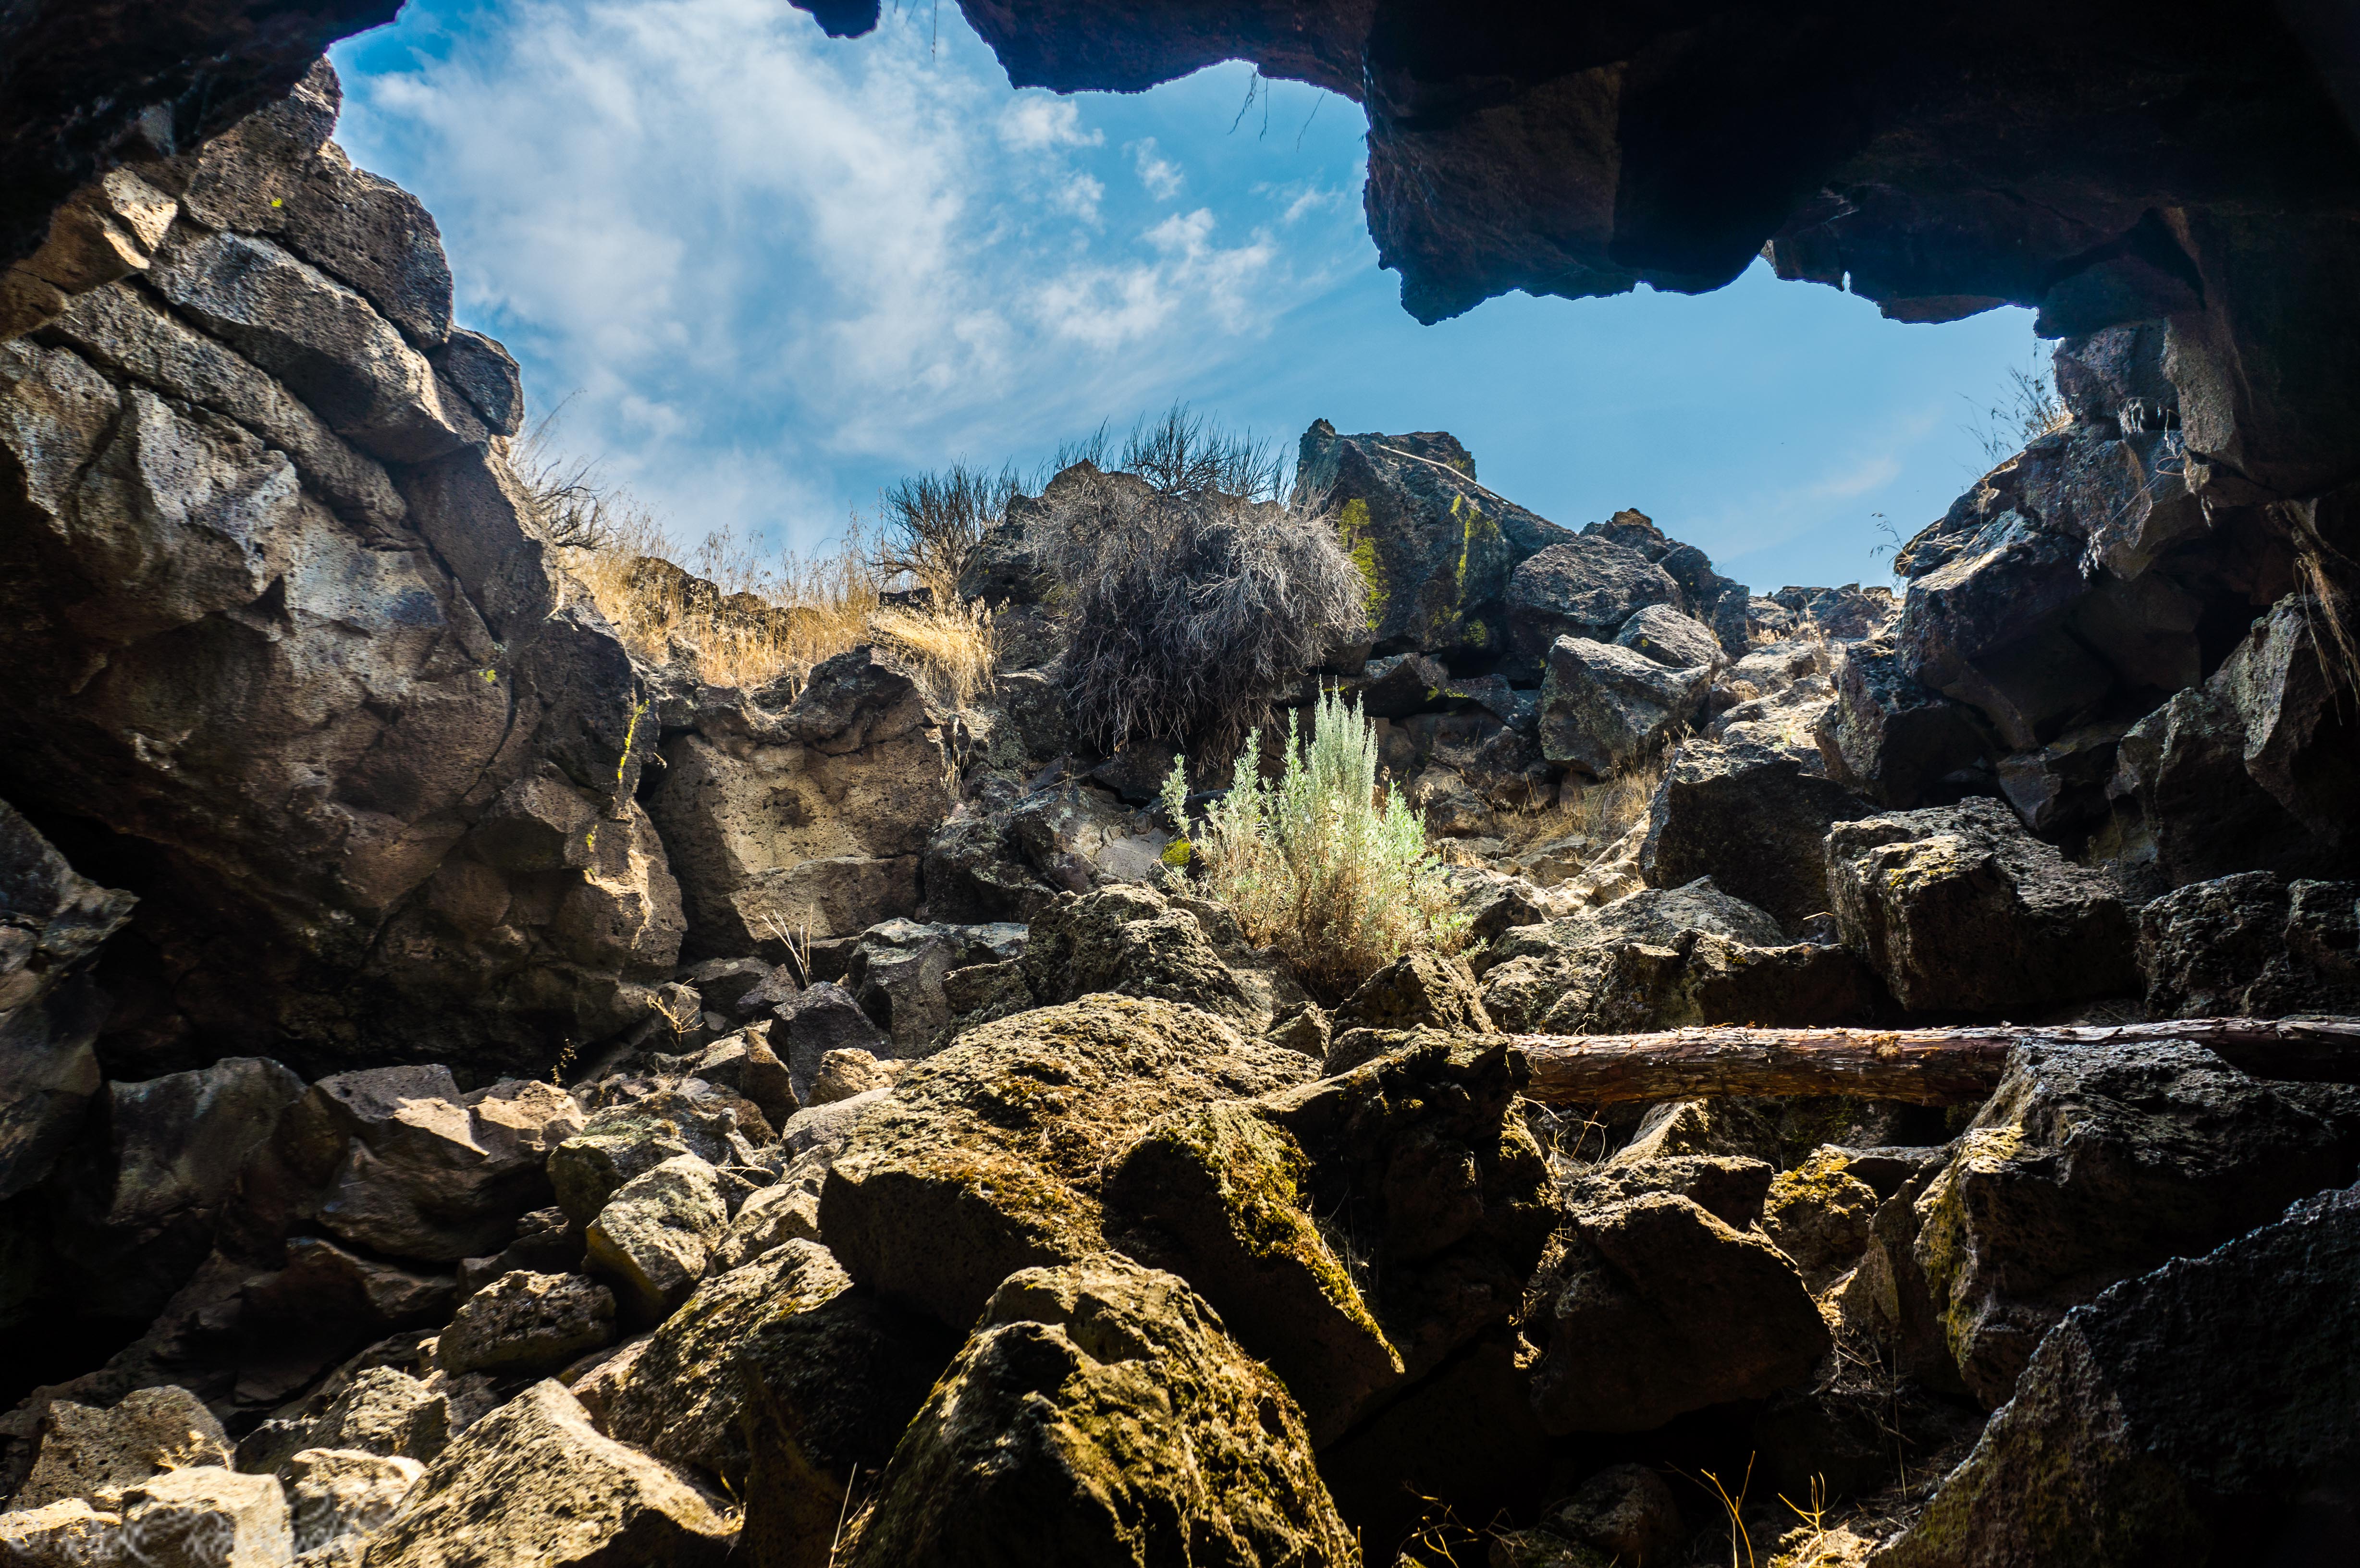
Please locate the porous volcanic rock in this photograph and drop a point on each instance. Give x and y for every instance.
(524, 1324)
(1753, 820)
(1097, 1404)
(534, 1483)
(51, 923)
(335, 1497)
(1655, 1307)
(1889, 736)
(683, 1394)
(1959, 908)
(2255, 769)
(1665, 958)
(2086, 1167)
(413, 1168)
(2197, 1413)
(655, 1237)
(85, 1451)
(2251, 945)
(397, 800)
(1602, 705)
(1437, 548)
(1587, 587)
(986, 1158)
(829, 1388)
(810, 816)
(1130, 941)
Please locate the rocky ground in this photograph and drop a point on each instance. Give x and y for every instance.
(474, 1096)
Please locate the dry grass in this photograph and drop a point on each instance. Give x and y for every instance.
(1605, 811)
(740, 620)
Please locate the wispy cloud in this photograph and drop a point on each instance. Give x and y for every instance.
(1158, 175)
(760, 259)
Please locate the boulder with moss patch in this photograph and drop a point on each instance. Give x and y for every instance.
(987, 1157)
(1099, 1407)
(2084, 1168)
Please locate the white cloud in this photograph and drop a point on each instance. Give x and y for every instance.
(760, 259)
(1159, 176)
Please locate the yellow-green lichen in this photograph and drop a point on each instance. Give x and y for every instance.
(1352, 526)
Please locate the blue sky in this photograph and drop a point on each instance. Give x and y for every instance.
(769, 272)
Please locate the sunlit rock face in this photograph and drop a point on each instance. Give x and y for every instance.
(286, 656)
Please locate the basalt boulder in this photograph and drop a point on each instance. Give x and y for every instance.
(810, 817)
(1411, 1162)
(411, 1167)
(2197, 1413)
(534, 1483)
(2251, 770)
(1099, 1404)
(2085, 1167)
(52, 922)
(987, 1157)
(1665, 958)
(1654, 1307)
(1958, 907)
(1753, 820)
(2251, 945)
(396, 802)
(1437, 549)
(1602, 706)
(1585, 587)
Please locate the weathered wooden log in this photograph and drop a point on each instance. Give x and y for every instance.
(1925, 1067)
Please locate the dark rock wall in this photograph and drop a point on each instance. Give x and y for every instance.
(286, 655)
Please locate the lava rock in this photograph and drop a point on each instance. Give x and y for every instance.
(535, 1483)
(1674, 641)
(1731, 1188)
(829, 1389)
(85, 1451)
(1958, 907)
(151, 1182)
(2086, 1167)
(1096, 1401)
(986, 1158)
(2197, 1413)
(525, 1325)
(1224, 1197)
(1889, 736)
(656, 1237)
(415, 1168)
(336, 1496)
(1603, 706)
(1654, 1307)
(2252, 945)
(1131, 941)
(208, 1514)
(808, 820)
(1818, 1214)
(1587, 588)
(1436, 549)
(1753, 820)
(1417, 990)
(825, 1019)
(682, 1396)
(51, 920)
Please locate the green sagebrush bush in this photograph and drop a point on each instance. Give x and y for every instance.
(1189, 595)
(1326, 864)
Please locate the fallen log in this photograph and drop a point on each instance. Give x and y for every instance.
(1925, 1067)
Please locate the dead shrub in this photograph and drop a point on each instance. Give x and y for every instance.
(1189, 596)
